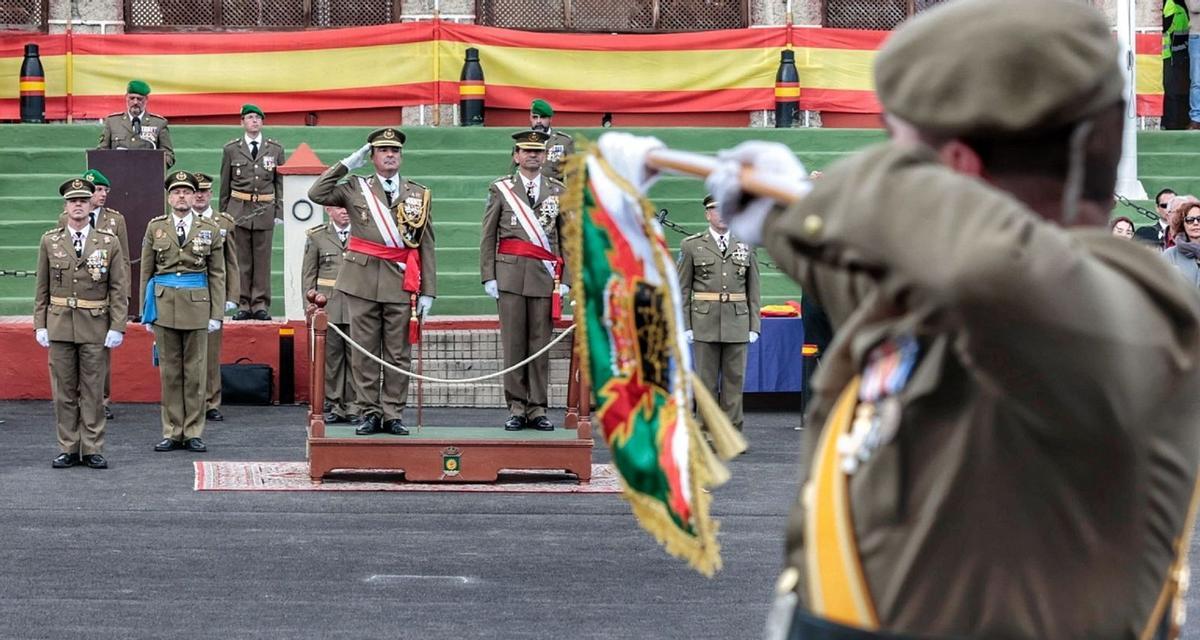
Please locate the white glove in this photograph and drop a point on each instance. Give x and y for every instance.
(43, 338)
(214, 325)
(403, 266)
(770, 161)
(278, 221)
(113, 339)
(687, 335)
(424, 304)
(753, 337)
(626, 154)
(230, 305)
(357, 159)
(492, 289)
(564, 291)
(149, 327)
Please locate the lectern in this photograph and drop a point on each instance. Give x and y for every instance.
(137, 192)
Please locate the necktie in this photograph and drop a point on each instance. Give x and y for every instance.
(722, 244)
(387, 188)
(92, 215)
(531, 192)
(137, 126)
(181, 231)
(342, 235)
(254, 150)
(78, 244)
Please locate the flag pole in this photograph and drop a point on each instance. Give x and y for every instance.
(700, 166)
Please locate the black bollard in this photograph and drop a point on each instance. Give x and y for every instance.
(787, 91)
(471, 91)
(32, 86)
(287, 366)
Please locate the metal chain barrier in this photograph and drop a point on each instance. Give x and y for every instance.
(418, 376)
(1136, 207)
(661, 216)
(16, 273)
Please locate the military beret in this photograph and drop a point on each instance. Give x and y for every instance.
(139, 87)
(710, 202)
(982, 67)
(95, 177)
(252, 108)
(181, 179)
(76, 188)
(541, 108)
(386, 137)
(203, 181)
(531, 139)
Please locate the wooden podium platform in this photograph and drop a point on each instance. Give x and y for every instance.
(443, 453)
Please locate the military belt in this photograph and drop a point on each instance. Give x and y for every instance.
(326, 282)
(76, 303)
(724, 296)
(252, 197)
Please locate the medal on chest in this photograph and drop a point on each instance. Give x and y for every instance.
(554, 153)
(548, 212)
(268, 163)
(97, 264)
(203, 240)
(888, 369)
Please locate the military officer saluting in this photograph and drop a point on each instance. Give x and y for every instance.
(252, 192)
(323, 251)
(388, 272)
(521, 266)
(111, 221)
(80, 308)
(137, 128)
(183, 293)
(202, 206)
(718, 281)
(559, 145)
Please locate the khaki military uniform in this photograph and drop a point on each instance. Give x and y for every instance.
(152, 133)
(322, 260)
(558, 147)
(526, 290)
(181, 330)
(721, 291)
(1037, 451)
(380, 309)
(252, 192)
(79, 299)
(232, 290)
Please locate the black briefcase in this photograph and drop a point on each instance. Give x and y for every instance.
(245, 383)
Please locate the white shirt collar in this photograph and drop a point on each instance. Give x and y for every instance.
(717, 236)
(338, 229)
(187, 220)
(383, 182)
(207, 213)
(257, 139)
(131, 116)
(86, 230)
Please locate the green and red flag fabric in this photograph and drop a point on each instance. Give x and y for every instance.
(631, 348)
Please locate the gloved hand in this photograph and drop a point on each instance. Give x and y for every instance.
(43, 338)
(403, 267)
(149, 327)
(424, 304)
(492, 289)
(214, 325)
(230, 305)
(358, 158)
(770, 161)
(113, 339)
(278, 221)
(564, 291)
(753, 337)
(687, 335)
(626, 154)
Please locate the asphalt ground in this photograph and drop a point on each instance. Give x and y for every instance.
(134, 552)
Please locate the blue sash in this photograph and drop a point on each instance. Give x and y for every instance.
(173, 280)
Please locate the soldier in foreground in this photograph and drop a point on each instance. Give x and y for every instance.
(1006, 450)
(323, 249)
(137, 128)
(202, 205)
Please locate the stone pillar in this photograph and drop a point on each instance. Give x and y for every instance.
(299, 215)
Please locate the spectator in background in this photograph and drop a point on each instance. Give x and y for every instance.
(1122, 227)
(1156, 234)
(1185, 255)
(1174, 220)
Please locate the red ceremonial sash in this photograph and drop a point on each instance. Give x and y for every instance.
(410, 257)
(526, 249)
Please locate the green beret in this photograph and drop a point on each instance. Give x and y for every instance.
(204, 181)
(531, 139)
(139, 87)
(541, 108)
(181, 179)
(386, 137)
(95, 177)
(76, 188)
(988, 68)
(252, 108)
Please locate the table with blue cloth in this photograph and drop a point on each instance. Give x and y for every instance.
(775, 363)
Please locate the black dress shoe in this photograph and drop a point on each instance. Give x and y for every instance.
(514, 423)
(195, 445)
(370, 424)
(108, 414)
(354, 419)
(333, 418)
(65, 460)
(241, 315)
(542, 423)
(262, 314)
(95, 461)
(395, 427)
(168, 444)
(215, 415)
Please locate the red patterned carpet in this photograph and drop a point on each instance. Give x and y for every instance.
(293, 476)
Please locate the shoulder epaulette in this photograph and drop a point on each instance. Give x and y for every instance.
(103, 232)
(274, 141)
(227, 216)
(155, 115)
(556, 182)
(317, 229)
(54, 230)
(209, 221)
(114, 115)
(234, 141)
(111, 211)
(694, 236)
(563, 134)
(417, 184)
(162, 217)
(501, 179)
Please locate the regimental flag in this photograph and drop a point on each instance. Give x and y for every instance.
(630, 345)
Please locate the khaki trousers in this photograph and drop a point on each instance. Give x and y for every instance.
(381, 328)
(212, 365)
(182, 359)
(723, 363)
(77, 372)
(339, 374)
(253, 247)
(525, 328)
(107, 377)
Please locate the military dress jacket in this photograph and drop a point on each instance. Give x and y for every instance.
(109, 221)
(80, 299)
(118, 134)
(233, 278)
(516, 274)
(365, 276)
(558, 147)
(322, 260)
(704, 269)
(252, 179)
(1043, 456)
(203, 251)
